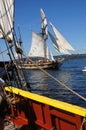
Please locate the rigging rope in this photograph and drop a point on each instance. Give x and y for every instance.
(11, 54)
(58, 81)
(7, 75)
(1, 52)
(16, 71)
(84, 120)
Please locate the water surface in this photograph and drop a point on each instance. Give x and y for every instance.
(69, 73)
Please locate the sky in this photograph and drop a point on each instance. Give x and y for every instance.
(68, 16)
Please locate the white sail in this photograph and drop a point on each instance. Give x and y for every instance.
(37, 46)
(44, 23)
(53, 39)
(49, 55)
(56, 45)
(63, 45)
(6, 18)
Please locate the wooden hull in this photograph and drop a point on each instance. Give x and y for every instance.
(45, 65)
(42, 113)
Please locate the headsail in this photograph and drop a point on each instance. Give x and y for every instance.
(6, 18)
(57, 46)
(60, 42)
(37, 46)
(54, 41)
(49, 55)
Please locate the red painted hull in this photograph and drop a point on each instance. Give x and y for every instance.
(27, 112)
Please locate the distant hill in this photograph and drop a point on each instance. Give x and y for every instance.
(73, 56)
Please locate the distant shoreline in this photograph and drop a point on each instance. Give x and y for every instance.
(73, 56)
(66, 57)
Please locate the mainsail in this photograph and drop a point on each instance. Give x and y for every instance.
(37, 46)
(60, 43)
(6, 18)
(44, 29)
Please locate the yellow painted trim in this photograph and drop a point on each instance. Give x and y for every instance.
(51, 102)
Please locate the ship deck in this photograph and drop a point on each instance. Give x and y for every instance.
(46, 113)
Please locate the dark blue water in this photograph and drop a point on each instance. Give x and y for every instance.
(69, 73)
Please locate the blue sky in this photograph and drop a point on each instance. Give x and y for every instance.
(68, 16)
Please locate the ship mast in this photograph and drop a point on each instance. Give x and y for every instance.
(44, 30)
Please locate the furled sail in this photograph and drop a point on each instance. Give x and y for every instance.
(37, 46)
(6, 19)
(44, 24)
(60, 42)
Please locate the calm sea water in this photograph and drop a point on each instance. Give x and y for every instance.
(69, 73)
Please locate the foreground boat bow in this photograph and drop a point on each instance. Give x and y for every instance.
(25, 110)
(45, 113)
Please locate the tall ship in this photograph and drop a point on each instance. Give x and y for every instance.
(20, 109)
(40, 55)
